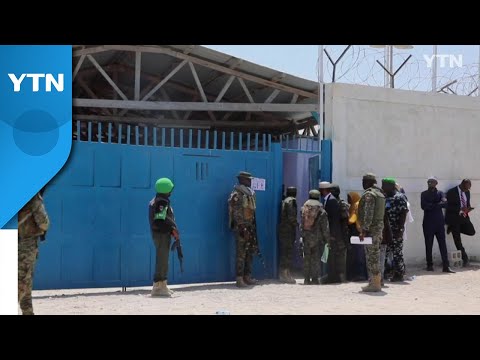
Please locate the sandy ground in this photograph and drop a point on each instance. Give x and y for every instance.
(428, 293)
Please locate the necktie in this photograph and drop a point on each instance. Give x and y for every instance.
(463, 201)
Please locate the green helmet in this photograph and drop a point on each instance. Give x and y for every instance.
(164, 186)
(314, 194)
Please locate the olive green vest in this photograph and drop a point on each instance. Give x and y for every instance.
(379, 204)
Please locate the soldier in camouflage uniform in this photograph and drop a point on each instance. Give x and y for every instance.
(33, 222)
(397, 209)
(339, 251)
(315, 234)
(287, 234)
(371, 212)
(242, 205)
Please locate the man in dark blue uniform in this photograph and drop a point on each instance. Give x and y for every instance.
(432, 202)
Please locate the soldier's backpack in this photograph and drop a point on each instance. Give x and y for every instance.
(309, 215)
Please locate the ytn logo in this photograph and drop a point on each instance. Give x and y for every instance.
(453, 60)
(49, 81)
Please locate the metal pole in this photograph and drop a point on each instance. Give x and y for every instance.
(320, 93)
(390, 65)
(434, 69)
(387, 61)
(478, 82)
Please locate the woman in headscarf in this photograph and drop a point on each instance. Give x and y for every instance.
(356, 264)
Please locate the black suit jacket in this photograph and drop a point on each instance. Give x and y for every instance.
(452, 216)
(333, 211)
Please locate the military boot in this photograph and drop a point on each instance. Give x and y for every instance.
(240, 283)
(160, 289)
(374, 285)
(283, 277)
(290, 279)
(249, 280)
(169, 290)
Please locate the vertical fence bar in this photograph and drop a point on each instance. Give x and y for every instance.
(199, 138)
(248, 141)
(89, 135)
(181, 138)
(154, 136)
(207, 139)
(223, 140)
(79, 134)
(137, 135)
(99, 132)
(172, 137)
(264, 141)
(109, 133)
(240, 141)
(190, 138)
(215, 140)
(120, 133)
(163, 137)
(145, 135)
(128, 134)
(232, 140)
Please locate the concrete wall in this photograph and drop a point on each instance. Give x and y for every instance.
(410, 136)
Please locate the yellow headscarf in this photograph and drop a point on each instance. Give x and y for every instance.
(354, 198)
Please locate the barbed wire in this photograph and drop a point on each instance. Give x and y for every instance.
(359, 66)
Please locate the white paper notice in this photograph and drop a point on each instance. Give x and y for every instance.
(356, 240)
(258, 184)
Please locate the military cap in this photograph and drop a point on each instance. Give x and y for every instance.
(244, 174)
(389, 180)
(325, 185)
(314, 194)
(369, 176)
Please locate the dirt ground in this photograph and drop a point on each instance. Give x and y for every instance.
(427, 293)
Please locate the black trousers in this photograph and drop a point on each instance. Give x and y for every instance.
(431, 230)
(457, 238)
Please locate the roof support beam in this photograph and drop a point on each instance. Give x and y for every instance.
(194, 106)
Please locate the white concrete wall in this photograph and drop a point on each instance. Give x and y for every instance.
(410, 136)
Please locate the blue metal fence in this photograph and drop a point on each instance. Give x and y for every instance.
(98, 204)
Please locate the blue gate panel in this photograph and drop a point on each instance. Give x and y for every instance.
(107, 262)
(78, 212)
(48, 270)
(77, 262)
(108, 212)
(82, 169)
(98, 205)
(108, 165)
(136, 167)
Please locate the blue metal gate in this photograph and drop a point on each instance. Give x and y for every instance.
(98, 205)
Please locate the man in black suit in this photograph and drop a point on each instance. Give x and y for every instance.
(456, 216)
(432, 202)
(336, 259)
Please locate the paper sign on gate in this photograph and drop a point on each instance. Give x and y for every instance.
(258, 184)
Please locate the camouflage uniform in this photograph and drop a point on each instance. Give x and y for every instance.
(314, 239)
(33, 222)
(343, 243)
(371, 211)
(287, 232)
(242, 205)
(395, 207)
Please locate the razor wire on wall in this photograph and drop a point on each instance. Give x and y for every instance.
(360, 64)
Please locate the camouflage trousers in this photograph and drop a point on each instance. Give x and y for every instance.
(244, 259)
(372, 252)
(381, 262)
(311, 258)
(27, 256)
(287, 242)
(396, 247)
